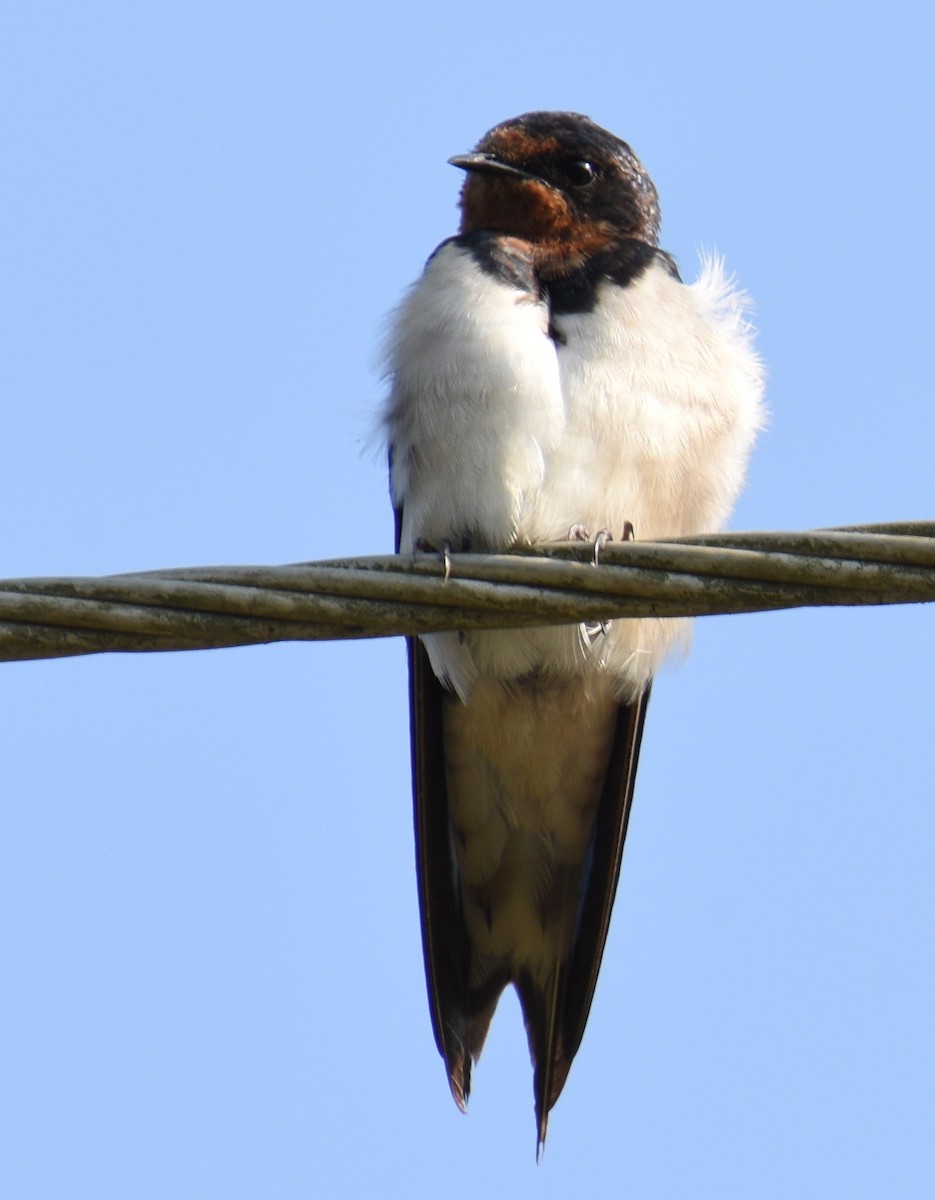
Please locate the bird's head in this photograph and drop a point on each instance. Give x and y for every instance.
(561, 183)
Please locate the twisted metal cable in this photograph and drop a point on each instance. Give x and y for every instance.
(199, 608)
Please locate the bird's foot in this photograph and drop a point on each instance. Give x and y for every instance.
(579, 533)
(592, 630)
(445, 548)
(424, 546)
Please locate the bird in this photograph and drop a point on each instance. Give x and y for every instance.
(550, 375)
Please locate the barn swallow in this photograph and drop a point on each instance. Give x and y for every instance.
(549, 371)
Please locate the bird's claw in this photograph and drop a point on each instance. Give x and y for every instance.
(424, 546)
(579, 533)
(601, 538)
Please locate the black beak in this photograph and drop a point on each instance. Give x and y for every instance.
(486, 164)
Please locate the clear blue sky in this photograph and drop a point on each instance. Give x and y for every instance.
(212, 983)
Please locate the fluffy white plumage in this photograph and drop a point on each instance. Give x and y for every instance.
(643, 409)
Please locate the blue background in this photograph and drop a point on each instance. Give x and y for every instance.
(212, 981)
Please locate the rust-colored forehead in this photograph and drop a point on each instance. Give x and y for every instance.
(516, 144)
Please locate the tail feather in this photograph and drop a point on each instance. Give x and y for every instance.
(556, 1012)
(555, 1001)
(542, 1013)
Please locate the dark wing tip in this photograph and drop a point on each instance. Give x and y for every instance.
(461, 1013)
(542, 1128)
(555, 1017)
(610, 832)
(459, 1080)
(549, 1080)
(543, 1018)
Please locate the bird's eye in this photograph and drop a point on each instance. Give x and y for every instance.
(580, 173)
